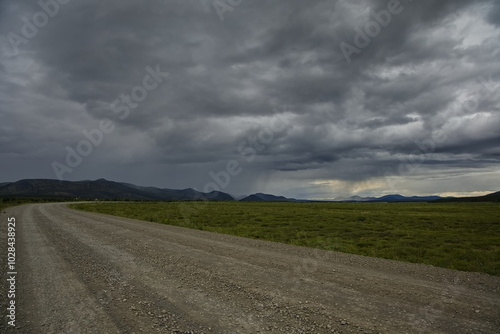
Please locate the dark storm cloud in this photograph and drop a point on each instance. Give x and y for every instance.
(494, 13)
(432, 70)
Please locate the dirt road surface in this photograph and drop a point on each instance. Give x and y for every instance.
(81, 272)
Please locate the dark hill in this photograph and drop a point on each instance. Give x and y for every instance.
(101, 189)
(493, 197)
(266, 197)
(218, 196)
(251, 198)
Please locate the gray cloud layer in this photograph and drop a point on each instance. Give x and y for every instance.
(416, 111)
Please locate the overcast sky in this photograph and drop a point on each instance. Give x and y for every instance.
(307, 99)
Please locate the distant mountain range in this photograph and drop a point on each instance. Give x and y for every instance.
(109, 190)
(389, 198)
(104, 190)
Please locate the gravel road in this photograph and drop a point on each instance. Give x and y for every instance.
(82, 272)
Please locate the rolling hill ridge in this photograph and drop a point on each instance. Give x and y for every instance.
(103, 189)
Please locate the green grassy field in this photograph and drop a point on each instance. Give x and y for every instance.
(463, 236)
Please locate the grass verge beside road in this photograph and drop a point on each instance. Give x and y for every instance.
(462, 236)
(8, 202)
